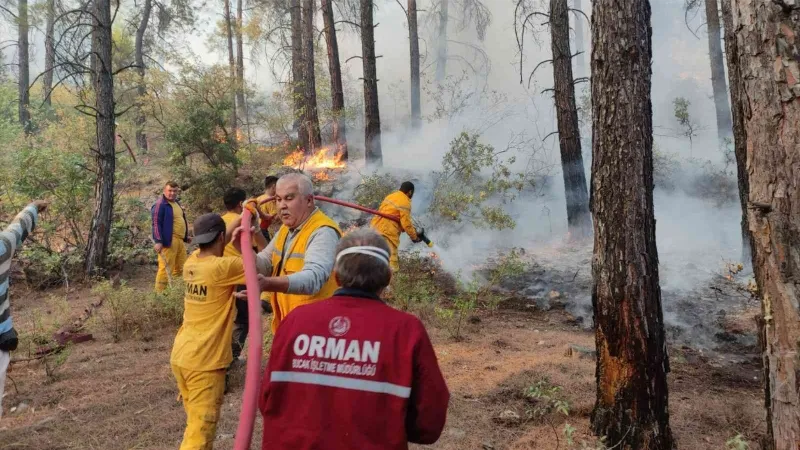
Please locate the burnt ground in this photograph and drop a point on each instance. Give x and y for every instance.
(111, 395)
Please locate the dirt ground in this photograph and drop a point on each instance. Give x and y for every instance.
(122, 395)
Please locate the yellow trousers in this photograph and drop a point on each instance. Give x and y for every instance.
(394, 260)
(174, 257)
(202, 394)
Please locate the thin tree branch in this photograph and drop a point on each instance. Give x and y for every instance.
(582, 13)
(534, 71)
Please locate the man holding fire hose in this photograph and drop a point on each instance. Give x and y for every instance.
(396, 204)
(296, 266)
(234, 200)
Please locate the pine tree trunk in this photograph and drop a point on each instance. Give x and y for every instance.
(576, 194)
(232, 68)
(311, 125)
(298, 94)
(100, 231)
(724, 125)
(372, 117)
(631, 409)
(441, 43)
(241, 105)
(579, 38)
(413, 40)
(141, 138)
(337, 91)
(24, 66)
(770, 96)
(739, 136)
(49, 51)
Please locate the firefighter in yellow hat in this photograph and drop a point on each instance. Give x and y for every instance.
(397, 204)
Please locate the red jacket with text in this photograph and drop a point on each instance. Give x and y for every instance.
(351, 372)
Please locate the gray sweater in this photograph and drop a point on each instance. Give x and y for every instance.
(318, 264)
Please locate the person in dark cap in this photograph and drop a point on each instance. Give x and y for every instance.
(202, 349)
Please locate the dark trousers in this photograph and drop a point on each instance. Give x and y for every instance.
(241, 325)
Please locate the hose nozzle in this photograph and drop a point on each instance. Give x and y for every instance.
(423, 238)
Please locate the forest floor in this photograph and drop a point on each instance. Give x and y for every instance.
(121, 395)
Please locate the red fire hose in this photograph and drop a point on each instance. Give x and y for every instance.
(244, 432)
(346, 204)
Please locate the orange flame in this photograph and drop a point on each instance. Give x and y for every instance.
(324, 158)
(322, 176)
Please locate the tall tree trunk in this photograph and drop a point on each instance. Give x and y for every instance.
(49, 51)
(413, 41)
(372, 117)
(232, 67)
(24, 66)
(337, 91)
(579, 38)
(631, 409)
(298, 94)
(141, 138)
(724, 124)
(770, 96)
(577, 196)
(739, 136)
(311, 125)
(97, 247)
(441, 43)
(240, 102)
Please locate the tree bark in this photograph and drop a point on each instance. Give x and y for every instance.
(298, 95)
(413, 40)
(579, 38)
(739, 136)
(97, 247)
(575, 191)
(337, 90)
(232, 66)
(372, 117)
(311, 124)
(631, 409)
(768, 45)
(441, 43)
(141, 138)
(718, 84)
(24, 66)
(49, 51)
(241, 105)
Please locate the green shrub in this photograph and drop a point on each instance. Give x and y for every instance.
(374, 188)
(127, 312)
(474, 183)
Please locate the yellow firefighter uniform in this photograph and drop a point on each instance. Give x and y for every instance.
(293, 261)
(173, 256)
(396, 204)
(202, 348)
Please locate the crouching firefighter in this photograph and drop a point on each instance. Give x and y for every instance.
(351, 372)
(396, 204)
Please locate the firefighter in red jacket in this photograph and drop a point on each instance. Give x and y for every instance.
(351, 372)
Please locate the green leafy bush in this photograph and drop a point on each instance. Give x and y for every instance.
(474, 183)
(372, 189)
(127, 312)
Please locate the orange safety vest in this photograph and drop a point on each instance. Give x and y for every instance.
(289, 260)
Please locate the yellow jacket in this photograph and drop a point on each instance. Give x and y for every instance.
(293, 261)
(397, 204)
